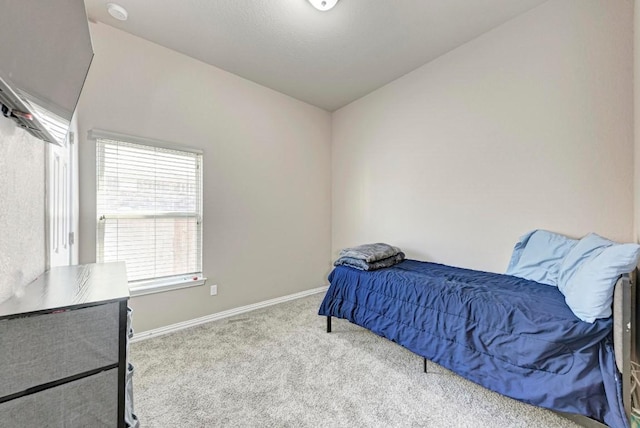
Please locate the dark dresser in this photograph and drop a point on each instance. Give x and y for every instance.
(63, 350)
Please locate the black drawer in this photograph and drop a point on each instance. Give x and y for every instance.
(43, 348)
(67, 405)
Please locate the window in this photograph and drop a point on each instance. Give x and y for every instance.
(149, 209)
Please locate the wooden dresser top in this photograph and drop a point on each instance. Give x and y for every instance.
(69, 287)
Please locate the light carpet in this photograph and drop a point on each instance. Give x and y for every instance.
(277, 367)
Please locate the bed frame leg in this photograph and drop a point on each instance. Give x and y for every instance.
(328, 324)
(425, 364)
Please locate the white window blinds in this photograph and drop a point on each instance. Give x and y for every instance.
(149, 206)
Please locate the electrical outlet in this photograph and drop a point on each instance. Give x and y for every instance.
(214, 289)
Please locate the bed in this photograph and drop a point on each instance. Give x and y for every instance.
(514, 336)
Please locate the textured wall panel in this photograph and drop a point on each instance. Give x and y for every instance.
(22, 208)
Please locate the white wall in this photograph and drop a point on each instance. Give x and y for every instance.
(266, 171)
(528, 126)
(22, 208)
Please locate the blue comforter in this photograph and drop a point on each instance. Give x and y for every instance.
(513, 336)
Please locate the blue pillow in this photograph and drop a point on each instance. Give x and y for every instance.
(589, 273)
(537, 256)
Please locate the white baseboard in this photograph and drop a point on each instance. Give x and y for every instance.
(224, 314)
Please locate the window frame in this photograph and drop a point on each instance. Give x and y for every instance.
(158, 284)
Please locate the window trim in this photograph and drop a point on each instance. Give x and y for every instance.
(140, 288)
(156, 285)
(96, 134)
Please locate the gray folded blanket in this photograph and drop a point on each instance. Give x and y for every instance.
(363, 265)
(370, 252)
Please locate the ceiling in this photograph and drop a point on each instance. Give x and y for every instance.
(327, 59)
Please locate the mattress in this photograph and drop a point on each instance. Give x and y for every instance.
(511, 335)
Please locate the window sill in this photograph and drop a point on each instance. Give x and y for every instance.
(160, 286)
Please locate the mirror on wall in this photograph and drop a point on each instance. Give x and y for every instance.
(45, 53)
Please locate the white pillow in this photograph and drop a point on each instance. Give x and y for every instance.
(589, 273)
(538, 254)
